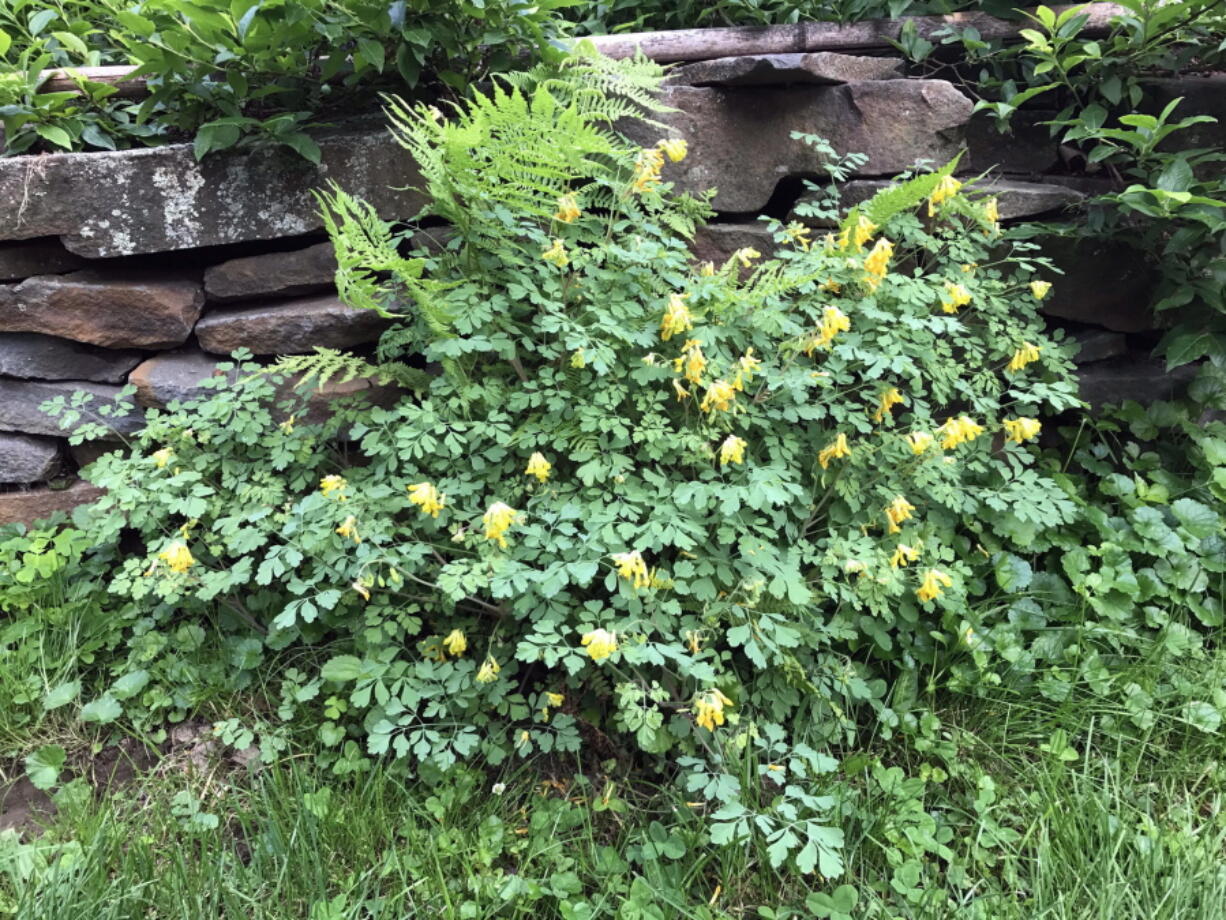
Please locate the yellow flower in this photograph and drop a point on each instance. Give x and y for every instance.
(455, 643)
(886, 403)
(1039, 289)
(719, 397)
(538, 466)
(947, 188)
(360, 589)
(676, 317)
(693, 641)
(877, 261)
(600, 644)
(955, 296)
(898, 511)
(488, 671)
(578, 359)
(676, 148)
(556, 254)
(426, 497)
(920, 441)
(647, 166)
(178, 557)
(903, 555)
(957, 431)
(1022, 429)
(836, 448)
(991, 210)
(732, 450)
(931, 588)
(830, 286)
(692, 360)
(746, 256)
(162, 457)
(330, 484)
(498, 519)
(679, 388)
(554, 699)
(834, 321)
(969, 267)
(631, 567)
(746, 366)
(568, 209)
(854, 237)
(706, 269)
(855, 567)
(349, 529)
(288, 425)
(709, 709)
(1023, 356)
(799, 235)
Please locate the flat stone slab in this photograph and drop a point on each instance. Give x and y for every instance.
(163, 379)
(740, 141)
(135, 311)
(1105, 283)
(159, 199)
(1098, 345)
(1136, 377)
(822, 67)
(37, 504)
(1029, 147)
(277, 274)
(44, 357)
(717, 242)
(1014, 199)
(36, 257)
(25, 459)
(291, 327)
(20, 401)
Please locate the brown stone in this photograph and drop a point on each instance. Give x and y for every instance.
(276, 274)
(136, 311)
(821, 67)
(37, 504)
(24, 459)
(717, 242)
(36, 257)
(1105, 283)
(296, 326)
(166, 378)
(44, 357)
(20, 412)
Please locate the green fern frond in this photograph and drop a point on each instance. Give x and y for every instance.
(894, 199)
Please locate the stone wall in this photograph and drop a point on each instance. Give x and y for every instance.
(146, 267)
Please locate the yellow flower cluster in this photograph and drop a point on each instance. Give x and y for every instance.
(919, 441)
(746, 366)
(955, 296)
(834, 321)
(957, 431)
(647, 166)
(178, 557)
(877, 262)
(1023, 356)
(333, 485)
(538, 466)
(709, 709)
(886, 403)
(427, 498)
(556, 254)
(933, 585)
(719, 397)
(633, 568)
(854, 237)
(904, 554)
(947, 188)
(455, 643)
(896, 512)
(799, 235)
(1039, 289)
(835, 449)
(488, 672)
(676, 317)
(498, 519)
(600, 643)
(349, 529)
(1021, 429)
(691, 362)
(674, 148)
(732, 450)
(162, 457)
(568, 209)
(746, 256)
(991, 213)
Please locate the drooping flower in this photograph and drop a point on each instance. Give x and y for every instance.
(719, 397)
(799, 235)
(360, 588)
(1021, 429)
(675, 148)
(578, 359)
(920, 441)
(746, 255)
(456, 643)
(877, 262)
(886, 403)
(835, 449)
(896, 512)
(647, 166)
(568, 209)
(830, 286)
(676, 317)
(554, 699)
(162, 457)
(556, 254)
(732, 450)
(349, 529)
(957, 431)
(538, 466)
(955, 296)
(693, 641)
(178, 557)
(854, 237)
(498, 519)
(1039, 289)
(333, 485)
(692, 360)
(679, 388)
(834, 321)
(633, 568)
(427, 497)
(488, 672)
(947, 188)
(991, 213)
(904, 554)
(1023, 356)
(933, 585)
(600, 643)
(746, 366)
(709, 708)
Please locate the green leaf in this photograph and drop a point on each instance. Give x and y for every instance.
(103, 710)
(130, 684)
(6, 42)
(304, 146)
(342, 669)
(54, 135)
(1202, 716)
(61, 695)
(44, 765)
(1199, 520)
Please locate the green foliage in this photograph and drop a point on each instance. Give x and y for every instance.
(644, 15)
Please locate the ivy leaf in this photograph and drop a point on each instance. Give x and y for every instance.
(43, 766)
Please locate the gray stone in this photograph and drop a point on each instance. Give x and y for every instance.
(1028, 148)
(296, 326)
(20, 401)
(1098, 345)
(1201, 95)
(1014, 199)
(44, 357)
(36, 257)
(1137, 377)
(87, 452)
(740, 140)
(822, 67)
(1105, 283)
(717, 242)
(277, 274)
(160, 198)
(24, 459)
(127, 311)
(165, 378)
(37, 504)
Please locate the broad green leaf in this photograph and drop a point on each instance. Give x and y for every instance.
(103, 710)
(343, 668)
(44, 765)
(61, 695)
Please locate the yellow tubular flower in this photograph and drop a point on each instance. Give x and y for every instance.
(349, 529)
(427, 498)
(860, 234)
(706, 269)
(947, 188)
(746, 366)
(633, 568)
(455, 643)
(600, 643)
(957, 431)
(162, 457)
(1023, 356)
(578, 359)
(568, 209)
(360, 589)
(1039, 289)
(719, 397)
(898, 511)
(834, 321)
(991, 213)
(732, 450)
(498, 519)
(676, 317)
(556, 254)
(692, 360)
(488, 672)
(693, 641)
(675, 148)
(955, 296)
(836, 448)
(647, 166)
(877, 262)
(178, 557)
(709, 709)
(886, 403)
(538, 466)
(935, 581)
(920, 441)
(903, 555)
(746, 256)
(679, 388)
(1022, 429)
(554, 699)
(799, 235)
(333, 484)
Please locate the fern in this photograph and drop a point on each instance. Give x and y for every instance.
(327, 364)
(899, 197)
